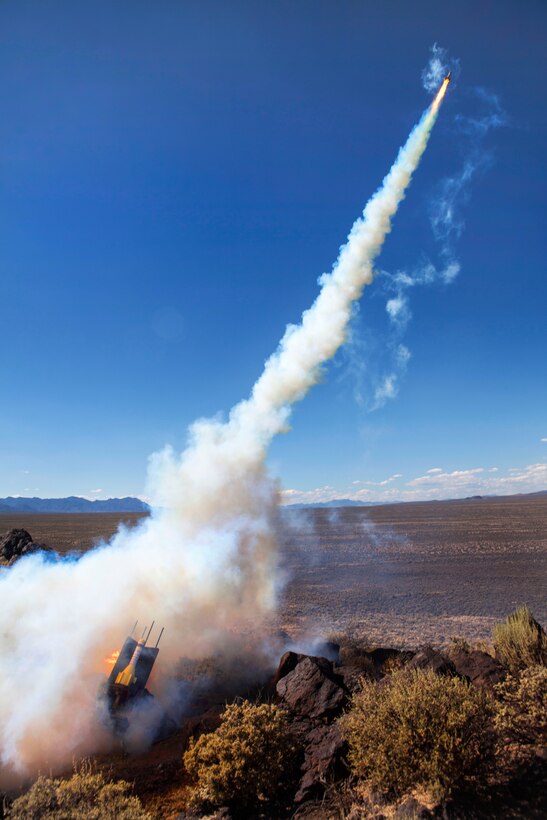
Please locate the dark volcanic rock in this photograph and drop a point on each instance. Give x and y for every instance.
(16, 543)
(287, 663)
(352, 677)
(201, 724)
(323, 761)
(429, 658)
(480, 668)
(312, 688)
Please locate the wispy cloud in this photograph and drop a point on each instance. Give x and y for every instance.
(437, 68)
(384, 482)
(456, 477)
(493, 115)
(446, 217)
(435, 483)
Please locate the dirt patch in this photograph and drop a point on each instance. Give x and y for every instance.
(406, 574)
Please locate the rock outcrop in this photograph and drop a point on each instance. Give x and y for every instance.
(14, 544)
(429, 658)
(314, 694)
(324, 756)
(480, 668)
(311, 688)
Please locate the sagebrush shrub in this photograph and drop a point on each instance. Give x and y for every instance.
(520, 641)
(245, 760)
(521, 708)
(85, 796)
(418, 729)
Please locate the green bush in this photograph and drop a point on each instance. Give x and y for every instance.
(86, 796)
(520, 641)
(245, 760)
(521, 708)
(418, 729)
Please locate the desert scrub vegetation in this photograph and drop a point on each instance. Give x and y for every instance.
(246, 760)
(520, 641)
(521, 709)
(85, 796)
(418, 729)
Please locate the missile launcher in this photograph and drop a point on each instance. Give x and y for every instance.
(126, 684)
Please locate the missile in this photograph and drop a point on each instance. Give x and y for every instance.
(448, 77)
(128, 675)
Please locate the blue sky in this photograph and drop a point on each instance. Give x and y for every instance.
(176, 175)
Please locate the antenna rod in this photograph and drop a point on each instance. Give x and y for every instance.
(161, 633)
(144, 630)
(134, 627)
(149, 631)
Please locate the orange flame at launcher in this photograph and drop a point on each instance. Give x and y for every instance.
(112, 659)
(440, 94)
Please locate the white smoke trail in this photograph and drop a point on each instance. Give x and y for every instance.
(204, 564)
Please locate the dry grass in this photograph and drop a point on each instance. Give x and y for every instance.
(87, 795)
(520, 642)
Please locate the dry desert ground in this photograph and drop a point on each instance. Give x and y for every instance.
(399, 574)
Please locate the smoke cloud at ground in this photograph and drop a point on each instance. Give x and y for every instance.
(205, 564)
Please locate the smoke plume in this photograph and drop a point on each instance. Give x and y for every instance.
(376, 378)
(205, 563)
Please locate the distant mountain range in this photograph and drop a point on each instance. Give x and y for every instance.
(336, 502)
(73, 504)
(348, 502)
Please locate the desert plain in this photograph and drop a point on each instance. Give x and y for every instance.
(394, 575)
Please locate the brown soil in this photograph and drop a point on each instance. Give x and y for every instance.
(406, 574)
(68, 532)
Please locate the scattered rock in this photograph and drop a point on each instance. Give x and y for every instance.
(312, 688)
(16, 543)
(429, 658)
(352, 677)
(323, 761)
(480, 668)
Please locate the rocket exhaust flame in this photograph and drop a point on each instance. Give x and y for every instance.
(205, 562)
(111, 661)
(440, 94)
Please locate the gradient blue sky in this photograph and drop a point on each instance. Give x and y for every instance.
(174, 178)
